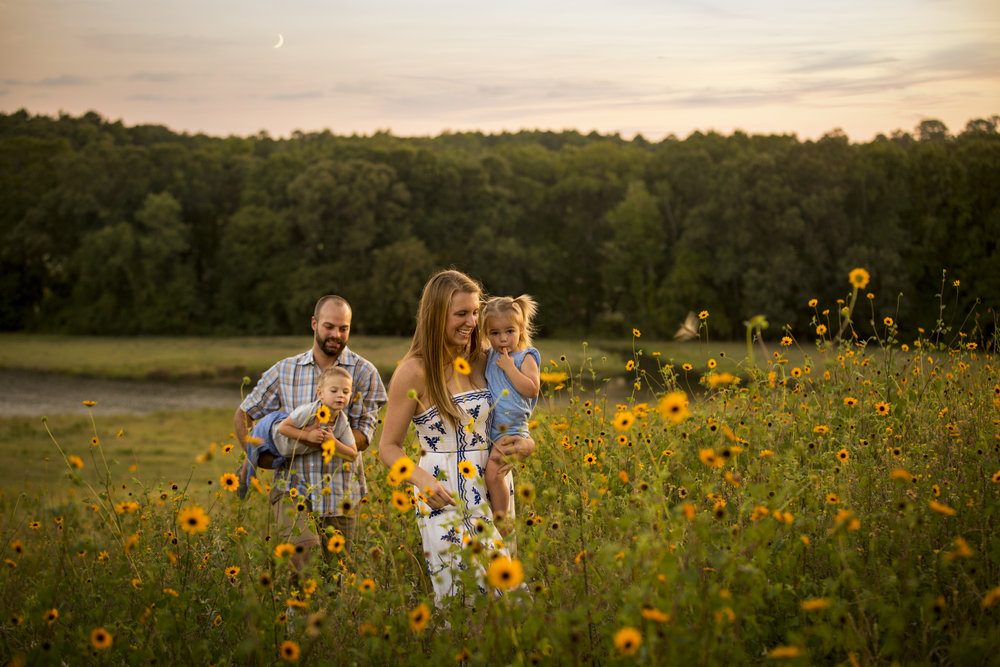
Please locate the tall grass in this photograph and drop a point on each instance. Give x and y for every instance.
(841, 508)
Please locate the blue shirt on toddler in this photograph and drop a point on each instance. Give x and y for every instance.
(510, 412)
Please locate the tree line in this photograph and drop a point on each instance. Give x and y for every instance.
(109, 229)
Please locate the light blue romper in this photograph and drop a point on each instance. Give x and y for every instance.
(510, 412)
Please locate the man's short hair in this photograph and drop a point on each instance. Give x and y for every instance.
(323, 300)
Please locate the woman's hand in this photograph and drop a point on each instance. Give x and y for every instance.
(513, 446)
(438, 495)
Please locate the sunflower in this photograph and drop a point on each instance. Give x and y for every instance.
(859, 278)
(832, 498)
(703, 315)
(323, 414)
(674, 407)
(590, 459)
(941, 508)
(467, 469)
(623, 420)
(882, 408)
(289, 651)
(627, 641)
(420, 617)
(820, 330)
(708, 457)
(75, 462)
(843, 455)
(784, 652)
(51, 616)
(888, 321)
(462, 366)
(400, 501)
(401, 469)
(232, 571)
(526, 492)
(229, 481)
(336, 543)
(101, 639)
(850, 401)
(193, 519)
(284, 550)
(654, 614)
(505, 573)
(367, 586)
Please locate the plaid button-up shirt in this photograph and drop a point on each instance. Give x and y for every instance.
(292, 382)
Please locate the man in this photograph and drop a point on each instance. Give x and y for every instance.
(333, 491)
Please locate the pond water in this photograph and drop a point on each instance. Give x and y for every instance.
(33, 394)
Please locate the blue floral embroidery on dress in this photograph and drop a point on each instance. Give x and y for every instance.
(452, 536)
(432, 442)
(478, 498)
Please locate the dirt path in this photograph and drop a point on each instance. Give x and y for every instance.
(25, 393)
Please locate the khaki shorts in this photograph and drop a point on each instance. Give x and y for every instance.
(303, 530)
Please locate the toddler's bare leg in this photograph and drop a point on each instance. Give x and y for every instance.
(496, 485)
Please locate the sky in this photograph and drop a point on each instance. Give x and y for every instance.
(423, 67)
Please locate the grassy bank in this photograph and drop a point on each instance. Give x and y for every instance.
(228, 360)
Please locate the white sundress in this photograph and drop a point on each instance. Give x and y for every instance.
(446, 531)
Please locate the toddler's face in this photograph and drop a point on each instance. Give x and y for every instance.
(503, 333)
(336, 393)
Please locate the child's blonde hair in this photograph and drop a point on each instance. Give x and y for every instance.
(522, 310)
(332, 372)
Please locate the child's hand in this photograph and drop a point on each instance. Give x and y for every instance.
(315, 434)
(506, 362)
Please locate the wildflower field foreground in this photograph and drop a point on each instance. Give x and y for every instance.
(844, 511)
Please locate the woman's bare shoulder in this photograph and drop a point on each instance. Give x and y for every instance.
(410, 373)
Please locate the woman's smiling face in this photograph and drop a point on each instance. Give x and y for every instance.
(463, 317)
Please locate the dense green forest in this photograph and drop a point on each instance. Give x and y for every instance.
(109, 229)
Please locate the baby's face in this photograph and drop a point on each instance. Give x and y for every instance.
(336, 393)
(503, 333)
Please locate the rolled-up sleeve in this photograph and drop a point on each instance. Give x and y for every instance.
(264, 397)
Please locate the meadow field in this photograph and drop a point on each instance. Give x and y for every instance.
(833, 502)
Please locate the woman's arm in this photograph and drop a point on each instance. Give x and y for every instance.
(405, 389)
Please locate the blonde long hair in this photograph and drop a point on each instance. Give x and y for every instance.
(429, 342)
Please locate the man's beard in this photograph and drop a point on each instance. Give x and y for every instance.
(330, 345)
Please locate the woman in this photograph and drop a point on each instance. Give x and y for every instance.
(440, 385)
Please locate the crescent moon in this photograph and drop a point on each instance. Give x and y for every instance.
(281, 40)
